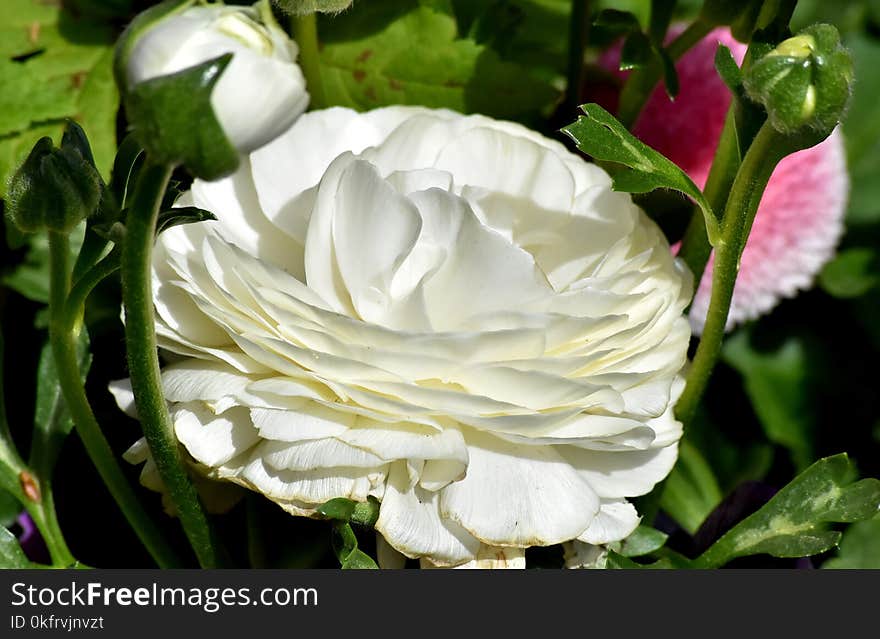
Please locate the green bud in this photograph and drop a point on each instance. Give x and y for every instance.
(804, 83)
(55, 189)
(305, 7)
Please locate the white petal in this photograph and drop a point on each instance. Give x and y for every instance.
(409, 520)
(213, 439)
(518, 495)
(581, 555)
(122, 393)
(621, 474)
(490, 558)
(309, 421)
(315, 454)
(616, 520)
(387, 557)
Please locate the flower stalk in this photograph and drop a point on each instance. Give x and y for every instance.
(141, 347)
(64, 326)
(768, 148)
(305, 33)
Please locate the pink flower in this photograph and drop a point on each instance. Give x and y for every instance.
(800, 219)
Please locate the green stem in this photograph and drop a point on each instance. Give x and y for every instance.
(695, 248)
(76, 300)
(43, 511)
(768, 148)
(305, 32)
(143, 361)
(63, 335)
(92, 247)
(579, 25)
(46, 519)
(640, 83)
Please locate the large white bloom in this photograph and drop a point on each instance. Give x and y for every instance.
(452, 314)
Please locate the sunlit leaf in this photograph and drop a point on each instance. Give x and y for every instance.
(794, 523)
(600, 135)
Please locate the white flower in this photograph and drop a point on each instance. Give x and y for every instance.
(452, 314)
(262, 90)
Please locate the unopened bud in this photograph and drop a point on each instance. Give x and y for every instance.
(805, 82)
(54, 189)
(205, 83)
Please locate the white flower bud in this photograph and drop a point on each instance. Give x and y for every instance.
(262, 91)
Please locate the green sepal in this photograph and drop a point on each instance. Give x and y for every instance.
(54, 189)
(805, 83)
(173, 119)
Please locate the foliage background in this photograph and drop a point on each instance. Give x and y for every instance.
(794, 386)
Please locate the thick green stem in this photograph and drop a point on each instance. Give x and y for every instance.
(305, 32)
(63, 334)
(579, 25)
(143, 361)
(640, 83)
(768, 148)
(695, 248)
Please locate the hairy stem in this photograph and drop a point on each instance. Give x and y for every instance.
(143, 360)
(305, 32)
(63, 332)
(579, 25)
(768, 148)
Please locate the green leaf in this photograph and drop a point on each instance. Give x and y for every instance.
(616, 561)
(386, 52)
(359, 560)
(345, 542)
(601, 136)
(11, 554)
(338, 508)
(643, 541)
(637, 51)
(794, 523)
(852, 273)
(617, 22)
(728, 69)
(182, 215)
(859, 546)
(10, 508)
(777, 381)
(691, 491)
(54, 64)
(52, 421)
